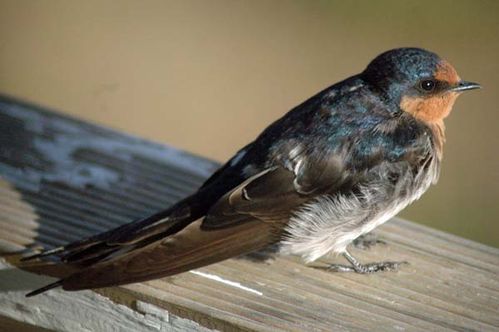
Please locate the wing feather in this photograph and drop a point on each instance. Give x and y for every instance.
(190, 248)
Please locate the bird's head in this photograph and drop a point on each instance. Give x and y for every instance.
(422, 83)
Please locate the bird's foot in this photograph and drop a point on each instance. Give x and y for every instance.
(366, 241)
(357, 267)
(367, 268)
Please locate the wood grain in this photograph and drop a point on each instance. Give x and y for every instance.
(62, 179)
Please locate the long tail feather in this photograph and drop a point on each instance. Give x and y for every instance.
(45, 288)
(43, 254)
(190, 248)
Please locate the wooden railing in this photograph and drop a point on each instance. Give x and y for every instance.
(62, 179)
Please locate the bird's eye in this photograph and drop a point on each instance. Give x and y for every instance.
(427, 85)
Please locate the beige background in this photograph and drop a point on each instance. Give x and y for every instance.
(208, 76)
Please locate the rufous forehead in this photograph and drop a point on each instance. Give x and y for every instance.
(445, 72)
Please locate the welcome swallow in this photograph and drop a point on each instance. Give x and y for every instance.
(332, 169)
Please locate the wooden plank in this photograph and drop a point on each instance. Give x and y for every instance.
(8, 324)
(62, 179)
(87, 311)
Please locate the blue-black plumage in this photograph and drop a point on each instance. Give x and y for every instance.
(330, 170)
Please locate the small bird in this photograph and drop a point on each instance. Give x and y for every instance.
(329, 171)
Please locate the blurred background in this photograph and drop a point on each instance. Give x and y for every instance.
(208, 76)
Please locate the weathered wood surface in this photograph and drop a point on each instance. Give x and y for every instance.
(62, 179)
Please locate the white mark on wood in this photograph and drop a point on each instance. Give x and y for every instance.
(226, 282)
(82, 311)
(152, 310)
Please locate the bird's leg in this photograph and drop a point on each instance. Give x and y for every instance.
(367, 241)
(364, 268)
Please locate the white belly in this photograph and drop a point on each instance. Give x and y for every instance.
(330, 223)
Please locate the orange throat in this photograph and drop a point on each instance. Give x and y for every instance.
(432, 111)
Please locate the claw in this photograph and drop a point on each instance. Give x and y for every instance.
(364, 268)
(378, 267)
(340, 268)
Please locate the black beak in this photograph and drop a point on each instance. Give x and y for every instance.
(464, 85)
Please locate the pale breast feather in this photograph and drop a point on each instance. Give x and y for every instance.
(330, 222)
